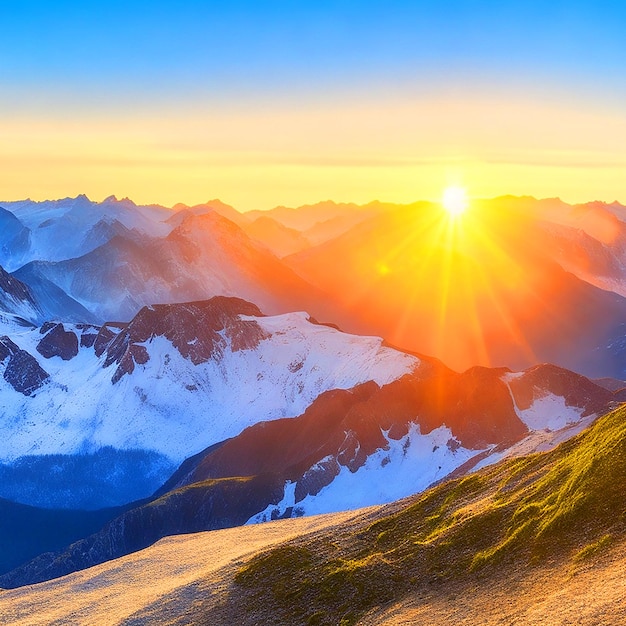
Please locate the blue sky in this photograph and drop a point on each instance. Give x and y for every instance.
(168, 50)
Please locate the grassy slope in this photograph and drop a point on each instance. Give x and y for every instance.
(563, 506)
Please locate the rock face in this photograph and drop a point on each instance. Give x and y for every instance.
(539, 381)
(58, 342)
(105, 335)
(88, 334)
(196, 329)
(21, 369)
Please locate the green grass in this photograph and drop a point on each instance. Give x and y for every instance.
(565, 504)
(592, 549)
(200, 487)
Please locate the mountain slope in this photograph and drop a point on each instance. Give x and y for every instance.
(51, 299)
(79, 598)
(17, 299)
(222, 259)
(486, 291)
(410, 562)
(350, 448)
(589, 241)
(14, 240)
(563, 506)
(204, 256)
(26, 531)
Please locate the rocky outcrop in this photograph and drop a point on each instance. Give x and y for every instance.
(198, 330)
(106, 334)
(58, 342)
(345, 427)
(21, 371)
(88, 334)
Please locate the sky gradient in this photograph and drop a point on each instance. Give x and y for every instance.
(270, 103)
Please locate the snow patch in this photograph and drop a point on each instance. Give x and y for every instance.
(550, 412)
(404, 467)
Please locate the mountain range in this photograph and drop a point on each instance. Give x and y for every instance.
(535, 538)
(267, 417)
(523, 281)
(168, 371)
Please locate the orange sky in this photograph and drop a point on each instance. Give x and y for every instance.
(292, 153)
(267, 103)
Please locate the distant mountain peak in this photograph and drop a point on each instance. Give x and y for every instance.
(81, 199)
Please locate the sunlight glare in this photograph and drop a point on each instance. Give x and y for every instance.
(455, 201)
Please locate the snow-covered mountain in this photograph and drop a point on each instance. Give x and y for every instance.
(543, 280)
(176, 379)
(205, 255)
(374, 444)
(54, 230)
(369, 444)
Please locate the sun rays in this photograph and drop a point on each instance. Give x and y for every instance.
(459, 276)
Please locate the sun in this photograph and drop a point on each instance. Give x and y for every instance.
(455, 201)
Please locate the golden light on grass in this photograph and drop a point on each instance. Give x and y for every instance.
(455, 201)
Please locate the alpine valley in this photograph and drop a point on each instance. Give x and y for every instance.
(167, 371)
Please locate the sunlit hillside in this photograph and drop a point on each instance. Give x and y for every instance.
(538, 539)
(557, 510)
